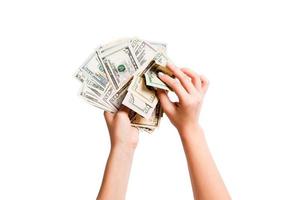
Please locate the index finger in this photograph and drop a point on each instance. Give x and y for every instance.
(194, 76)
(174, 84)
(108, 116)
(184, 80)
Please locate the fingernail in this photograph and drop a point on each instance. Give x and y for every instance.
(160, 74)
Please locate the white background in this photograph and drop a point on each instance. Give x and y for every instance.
(53, 145)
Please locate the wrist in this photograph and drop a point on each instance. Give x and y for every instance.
(127, 143)
(188, 128)
(190, 131)
(124, 148)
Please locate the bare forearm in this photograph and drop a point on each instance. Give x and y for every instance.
(206, 180)
(116, 175)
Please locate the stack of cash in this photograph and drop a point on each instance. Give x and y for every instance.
(124, 72)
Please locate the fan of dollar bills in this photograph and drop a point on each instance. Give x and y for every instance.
(124, 72)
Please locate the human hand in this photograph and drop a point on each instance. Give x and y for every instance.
(190, 89)
(122, 134)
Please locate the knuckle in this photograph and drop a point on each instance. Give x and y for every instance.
(176, 82)
(198, 100)
(166, 79)
(173, 82)
(187, 79)
(198, 89)
(198, 97)
(199, 77)
(167, 111)
(182, 76)
(194, 100)
(188, 102)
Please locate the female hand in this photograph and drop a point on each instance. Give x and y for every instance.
(122, 134)
(190, 89)
(124, 139)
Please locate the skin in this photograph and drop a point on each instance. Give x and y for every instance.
(190, 88)
(124, 139)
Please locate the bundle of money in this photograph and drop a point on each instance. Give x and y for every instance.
(124, 72)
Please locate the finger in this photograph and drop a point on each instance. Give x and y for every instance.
(175, 85)
(124, 110)
(108, 116)
(194, 76)
(165, 102)
(184, 80)
(204, 84)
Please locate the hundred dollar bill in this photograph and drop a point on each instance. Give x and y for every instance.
(98, 93)
(107, 94)
(138, 105)
(124, 72)
(113, 44)
(152, 122)
(151, 75)
(122, 41)
(79, 75)
(143, 51)
(94, 75)
(161, 47)
(90, 81)
(92, 97)
(120, 64)
(148, 130)
(92, 102)
(118, 96)
(94, 68)
(133, 116)
(135, 42)
(112, 97)
(152, 80)
(139, 89)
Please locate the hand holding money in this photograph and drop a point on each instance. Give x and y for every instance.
(122, 134)
(190, 91)
(124, 72)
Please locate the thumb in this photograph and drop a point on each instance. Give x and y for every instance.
(204, 83)
(124, 110)
(167, 105)
(108, 117)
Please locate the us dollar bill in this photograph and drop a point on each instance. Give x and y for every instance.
(140, 90)
(152, 122)
(143, 51)
(90, 81)
(92, 97)
(120, 64)
(124, 72)
(147, 130)
(154, 81)
(158, 64)
(107, 94)
(135, 42)
(138, 105)
(118, 96)
(160, 47)
(95, 69)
